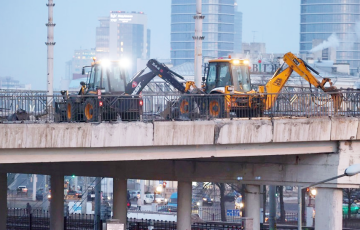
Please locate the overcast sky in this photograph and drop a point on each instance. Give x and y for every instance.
(23, 31)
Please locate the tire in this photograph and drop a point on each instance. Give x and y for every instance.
(145, 202)
(91, 110)
(71, 111)
(185, 106)
(217, 106)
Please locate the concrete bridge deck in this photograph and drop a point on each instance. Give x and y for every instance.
(279, 151)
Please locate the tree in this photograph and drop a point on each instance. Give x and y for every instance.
(348, 193)
(221, 187)
(282, 208)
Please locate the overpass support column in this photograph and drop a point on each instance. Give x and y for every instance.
(3, 200)
(184, 205)
(328, 207)
(252, 204)
(120, 199)
(57, 202)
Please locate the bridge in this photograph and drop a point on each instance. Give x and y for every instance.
(270, 150)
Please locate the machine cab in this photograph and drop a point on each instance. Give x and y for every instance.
(228, 72)
(108, 76)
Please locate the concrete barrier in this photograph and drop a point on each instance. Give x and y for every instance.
(178, 133)
(184, 133)
(122, 134)
(76, 135)
(344, 128)
(241, 131)
(301, 129)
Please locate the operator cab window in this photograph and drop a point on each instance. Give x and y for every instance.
(210, 81)
(224, 75)
(97, 83)
(105, 81)
(241, 72)
(92, 77)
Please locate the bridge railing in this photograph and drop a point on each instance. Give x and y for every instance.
(173, 106)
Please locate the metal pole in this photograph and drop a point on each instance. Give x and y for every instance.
(300, 208)
(50, 49)
(332, 178)
(34, 187)
(97, 203)
(272, 207)
(85, 192)
(299, 197)
(198, 43)
(45, 204)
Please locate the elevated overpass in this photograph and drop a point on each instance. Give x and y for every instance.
(274, 150)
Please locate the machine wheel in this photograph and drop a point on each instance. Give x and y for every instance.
(216, 106)
(185, 106)
(91, 110)
(71, 110)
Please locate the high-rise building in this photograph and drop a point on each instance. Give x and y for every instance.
(322, 18)
(123, 35)
(237, 30)
(11, 83)
(218, 29)
(81, 58)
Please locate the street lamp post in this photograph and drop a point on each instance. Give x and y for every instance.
(349, 171)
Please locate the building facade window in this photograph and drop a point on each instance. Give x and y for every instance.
(218, 28)
(321, 18)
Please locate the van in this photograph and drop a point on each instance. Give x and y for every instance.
(173, 200)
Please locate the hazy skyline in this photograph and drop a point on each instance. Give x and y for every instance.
(24, 33)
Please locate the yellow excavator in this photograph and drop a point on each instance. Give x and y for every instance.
(227, 88)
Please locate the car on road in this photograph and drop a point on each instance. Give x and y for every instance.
(149, 198)
(91, 195)
(167, 209)
(230, 197)
(22, 190)
(73, 194)
(207, 201)
(354, 209)
(134, 194)
(39, 195)
(173, 200)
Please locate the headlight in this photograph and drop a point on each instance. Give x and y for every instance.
(165, 200)
(236, 62)
(198, 203)
(241, 205)
(212, 199)
(49, 196)
(204, 199)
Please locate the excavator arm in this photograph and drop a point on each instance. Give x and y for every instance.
(277, 82)
(138, 83)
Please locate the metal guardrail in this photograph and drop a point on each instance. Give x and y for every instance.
(170, 106)
(38, 219)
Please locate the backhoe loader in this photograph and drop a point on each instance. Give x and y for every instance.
(227, 88)
(102, 96)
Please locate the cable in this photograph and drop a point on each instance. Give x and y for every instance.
(82, 195)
